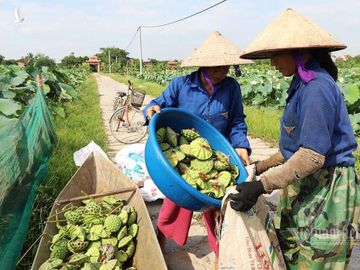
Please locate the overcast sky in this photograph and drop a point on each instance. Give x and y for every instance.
(57, 28)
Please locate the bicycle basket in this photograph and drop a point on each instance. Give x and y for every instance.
(137, 97)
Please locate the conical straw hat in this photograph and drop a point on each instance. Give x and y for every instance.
(290, 31)
(215, 51)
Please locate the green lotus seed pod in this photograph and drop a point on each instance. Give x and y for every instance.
(130, 249)
(200, 183)
(189, 179)
(219, 192)
(90, 266)
(77, 245)
(180, 155)
(171, 157)
(183, 140)
(50, 264)
(121, 256)
(190, 134)
(164, 146)
(59, 250)
(222, 157)
(109, 265)
(221, 166)
(95, 244)
(112, 241)
(185, 148)
(132, 216)
(124, 215)
(212, 174)
(93, 253)
(73, 217)
(201, 149)
(78, 259)
(182, 167)
(112, 223)
(234, 170)
(122, 233)
(160, 135)
(171, 136)
(203, 166)
(124, 241)
(111, 200)
(224, 178)
(92, 208)
(69, 267)
(133, 229)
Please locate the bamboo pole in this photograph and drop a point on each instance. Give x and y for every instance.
(97, 195)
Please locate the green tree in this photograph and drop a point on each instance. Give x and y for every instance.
(2, 58)
(39, 60)
(73, 61)
(117, 56)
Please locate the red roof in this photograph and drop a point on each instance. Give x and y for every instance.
(93, 59)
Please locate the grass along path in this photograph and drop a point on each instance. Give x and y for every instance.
(82, 124)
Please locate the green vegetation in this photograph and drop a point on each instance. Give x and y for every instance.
(262, 85)
(72, 61)
(263, 122)
(18, 86)
(82, 125)
(151, 88)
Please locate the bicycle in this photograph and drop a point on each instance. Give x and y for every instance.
(127, 123)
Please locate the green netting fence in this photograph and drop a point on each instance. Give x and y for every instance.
(25, 148)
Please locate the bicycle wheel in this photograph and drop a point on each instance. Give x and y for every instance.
(127, 126)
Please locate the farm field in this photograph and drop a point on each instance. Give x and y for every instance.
(264, 94)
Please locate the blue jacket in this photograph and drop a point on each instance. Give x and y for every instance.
(223, 109)
(316, 117)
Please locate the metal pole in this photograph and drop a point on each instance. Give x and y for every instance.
(109, 62)
(140, 51)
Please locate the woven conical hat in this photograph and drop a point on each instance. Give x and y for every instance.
(290, 31)
(215, 51)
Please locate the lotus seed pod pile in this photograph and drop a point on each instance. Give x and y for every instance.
(94, 236)
(204, 168)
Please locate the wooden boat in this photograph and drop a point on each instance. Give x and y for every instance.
(98, 177)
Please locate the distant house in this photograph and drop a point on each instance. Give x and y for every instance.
(20, 63)
(94, 63)
(172, 64)
(147, 63)
(343, 57)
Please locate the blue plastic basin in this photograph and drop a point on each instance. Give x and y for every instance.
(169, 181)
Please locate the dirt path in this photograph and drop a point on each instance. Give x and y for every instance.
(195, 255)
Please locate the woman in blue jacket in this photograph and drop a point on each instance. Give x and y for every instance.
(210, 94)
(318, 215)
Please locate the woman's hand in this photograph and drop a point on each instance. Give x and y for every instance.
(151, 110)
(248, 193)
(244, 155)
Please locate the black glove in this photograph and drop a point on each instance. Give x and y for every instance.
(247, 196)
